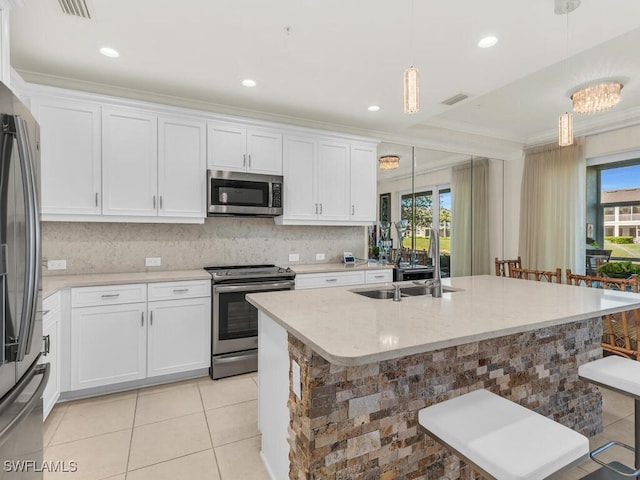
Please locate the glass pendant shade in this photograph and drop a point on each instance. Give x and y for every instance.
(565, 130)
(389, 162)
(596, 98)
(411, 90)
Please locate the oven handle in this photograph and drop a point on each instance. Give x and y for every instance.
(253, 287)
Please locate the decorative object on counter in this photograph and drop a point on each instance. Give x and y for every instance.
(401, 228)
(389, 162)
(385, 207)
(618, 269)
(385, 242)
(503, 267)
(596, 98)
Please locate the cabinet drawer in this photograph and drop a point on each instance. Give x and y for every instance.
(51, 303)
(176, 290)
(379, 276)
(334, 279)
(108, 295)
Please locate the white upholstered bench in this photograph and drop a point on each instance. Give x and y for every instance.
(502, 439)
(623, 376)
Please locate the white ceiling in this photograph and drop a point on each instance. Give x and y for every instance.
(340, 56)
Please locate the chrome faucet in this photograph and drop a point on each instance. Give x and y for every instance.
(435, 284)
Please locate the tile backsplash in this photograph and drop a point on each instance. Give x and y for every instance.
(123, 247)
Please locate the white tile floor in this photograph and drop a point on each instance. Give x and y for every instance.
(197, 429)
(201, 429)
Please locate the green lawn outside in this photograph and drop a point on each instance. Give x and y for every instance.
(623, 249)
(422, 243)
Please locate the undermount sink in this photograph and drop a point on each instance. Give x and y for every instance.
(408, 291)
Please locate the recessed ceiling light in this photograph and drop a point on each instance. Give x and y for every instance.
(487, 42)
(373, 108)
(249, 83)
(109, 52)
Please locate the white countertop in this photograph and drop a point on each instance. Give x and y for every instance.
(350, 329)
(336, 267)
(51, 284)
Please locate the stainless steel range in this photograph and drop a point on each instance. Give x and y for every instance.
(234, 325)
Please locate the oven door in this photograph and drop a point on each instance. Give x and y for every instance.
(235, 321)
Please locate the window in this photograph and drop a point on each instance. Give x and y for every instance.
(619, 209)
(425, 209)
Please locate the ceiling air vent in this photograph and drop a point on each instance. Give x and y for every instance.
(77, 8)
(455, 99)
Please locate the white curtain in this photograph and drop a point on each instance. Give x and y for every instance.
(470, 219)
(552, 204)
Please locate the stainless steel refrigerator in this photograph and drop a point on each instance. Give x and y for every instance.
(22, 379)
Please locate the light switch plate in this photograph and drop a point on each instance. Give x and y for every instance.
(56, 265)
(152, 262)
(296, 379)
(294, 257)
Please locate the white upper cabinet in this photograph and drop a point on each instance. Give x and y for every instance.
(70, 156)
(328, 182)
(129, 162)
(181, 167)
(333, 181)
(363, 178)
(240, 149)
(300, 157)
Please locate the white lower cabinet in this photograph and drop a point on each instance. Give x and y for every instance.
(108, 344)
(343, 278)
(51, 320)
(179, 336)
(121, 337)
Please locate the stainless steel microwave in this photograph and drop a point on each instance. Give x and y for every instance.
(237, 193)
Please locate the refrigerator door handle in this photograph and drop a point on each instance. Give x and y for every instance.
(44, 370)
(32, 277)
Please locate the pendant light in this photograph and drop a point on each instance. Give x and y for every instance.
(411, 79)
(565, 121)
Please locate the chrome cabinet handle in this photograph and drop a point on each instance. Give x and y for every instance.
(142, 319)
(331, 280)
(378, 276)
(316, 208)
(160, 202)
(180, 290)
(111, 295)
(45, 313)
(96, 199)
(353, 209)
(151, 318)
(249, 160)
(154, 201)
(47, 345)
(244, 159)
(320, 209)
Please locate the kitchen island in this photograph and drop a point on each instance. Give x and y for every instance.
(343, 376)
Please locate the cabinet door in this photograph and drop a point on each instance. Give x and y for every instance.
(300, 201)
(333, 181)
(363, 183)
(179, 335)
(264, 152)
(227, 147)
(129, 162)
(108, 345)
(70, 159)
(51, 332)
(182, 169)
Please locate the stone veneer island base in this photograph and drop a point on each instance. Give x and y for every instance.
(352, 419)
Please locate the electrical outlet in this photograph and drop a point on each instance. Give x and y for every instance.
(56, 265)
(152, 262)
(296, 383)
(294, 257)
(319, 256)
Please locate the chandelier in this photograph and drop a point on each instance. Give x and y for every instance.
(389, 162)
(596, 98)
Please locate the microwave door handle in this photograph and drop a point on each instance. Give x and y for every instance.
(252, 287)
(32, 234)
(270, 202)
